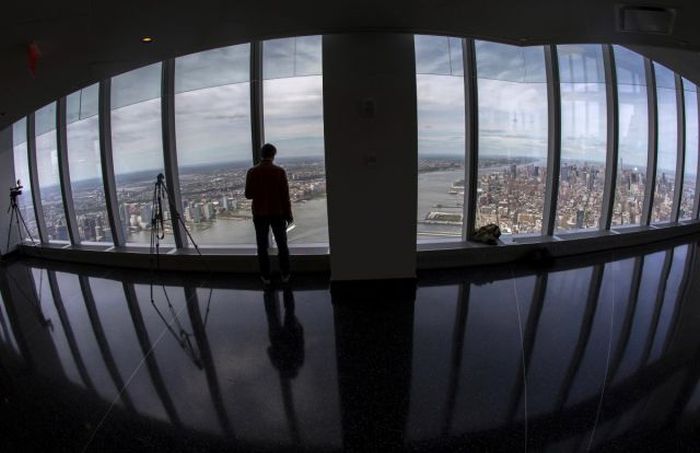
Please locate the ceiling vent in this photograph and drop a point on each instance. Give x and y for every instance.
(646, 19)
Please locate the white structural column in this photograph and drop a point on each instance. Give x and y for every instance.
(371, 144)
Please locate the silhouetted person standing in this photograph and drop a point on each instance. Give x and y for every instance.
(266, 184)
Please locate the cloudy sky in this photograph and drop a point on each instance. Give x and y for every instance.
(213, 107)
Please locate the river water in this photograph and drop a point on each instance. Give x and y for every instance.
(311, 217)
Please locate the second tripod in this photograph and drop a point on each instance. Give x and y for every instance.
(17, 217)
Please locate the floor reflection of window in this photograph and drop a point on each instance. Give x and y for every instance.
(177, 356)
(6, 334)
(489, 376)
(632, 344)
(121, 335)
(558, 330)
(612, 299)
(436, 322)
(76, 311)
(669, 300)
(55, 329)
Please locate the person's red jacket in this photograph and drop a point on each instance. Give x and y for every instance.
(266, 184)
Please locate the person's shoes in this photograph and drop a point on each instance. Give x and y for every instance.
(286, 278)
(265, 280)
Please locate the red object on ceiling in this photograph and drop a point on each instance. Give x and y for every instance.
(33, 55)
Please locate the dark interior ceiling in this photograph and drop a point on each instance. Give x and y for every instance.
(83, 41)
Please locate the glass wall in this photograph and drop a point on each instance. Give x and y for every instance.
(440, 109)
(137, 144)
(21, 164)
(513, 128)
(691, 150)
(213, 132)
(49, 179)
(213, 135)
(85, 165)
(633, 137)
(583, 136)
(293, 122)
(668, 145)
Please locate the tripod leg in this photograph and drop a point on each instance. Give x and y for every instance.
(29, 233)
(9, 231)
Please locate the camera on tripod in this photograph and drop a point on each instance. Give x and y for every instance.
(16, 190)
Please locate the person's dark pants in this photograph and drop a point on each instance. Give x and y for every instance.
(279, 229)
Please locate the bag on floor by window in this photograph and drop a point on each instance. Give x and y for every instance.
(488, 234)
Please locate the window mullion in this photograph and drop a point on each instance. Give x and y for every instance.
(653, 145)
(471, 129)
(64, 171)
(34, 179)
(611, 169)
(172, 174)
(554, 140)
(257, 125)
(680, 149)
(696, 204)
(108, 178)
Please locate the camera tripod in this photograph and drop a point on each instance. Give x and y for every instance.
(16, 216)
(160, 193)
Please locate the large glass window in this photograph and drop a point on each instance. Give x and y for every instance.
(440, 109)
(19, 142)
(690, 176)
(49, 179)
(212, 118)
(293, 120)
(633, 137)
(137, 144)
(583, 136)
(668, 141)
(512, 136)
(86, 165)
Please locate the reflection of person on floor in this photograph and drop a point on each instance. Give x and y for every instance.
(286, 350)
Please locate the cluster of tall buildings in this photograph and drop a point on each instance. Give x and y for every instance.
(511, 196)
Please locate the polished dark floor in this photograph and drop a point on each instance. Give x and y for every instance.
(591, 353)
